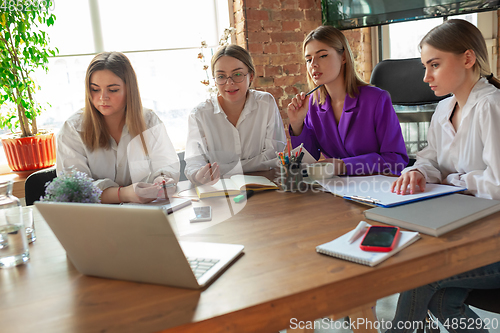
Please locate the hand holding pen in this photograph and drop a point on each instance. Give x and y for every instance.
(167, 186)
(297, 110)
(208, 174)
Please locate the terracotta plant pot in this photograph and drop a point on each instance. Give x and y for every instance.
(34, 152)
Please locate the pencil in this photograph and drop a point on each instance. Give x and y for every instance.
(309, 93)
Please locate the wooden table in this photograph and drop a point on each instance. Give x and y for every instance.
(279, 277)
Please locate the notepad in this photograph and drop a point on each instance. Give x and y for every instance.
(376, 190)
(340, 248)
(234, 185)
(436, 216)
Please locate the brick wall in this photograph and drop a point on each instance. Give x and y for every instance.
(273, 31)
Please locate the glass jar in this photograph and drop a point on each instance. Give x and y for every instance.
(13, 240)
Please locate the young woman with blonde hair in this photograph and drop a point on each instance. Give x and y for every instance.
(114, 140)
(239, 130)
(462, 150)
(353, 124)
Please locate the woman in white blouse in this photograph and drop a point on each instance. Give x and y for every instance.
(122, 146)
(463, 150)
(239, 130)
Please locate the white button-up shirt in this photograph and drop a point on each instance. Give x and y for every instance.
(469, 157)
(251, 145)
(122, 164)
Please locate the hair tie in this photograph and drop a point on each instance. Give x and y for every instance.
(489, 77)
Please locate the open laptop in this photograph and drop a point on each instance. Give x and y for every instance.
(134, 243)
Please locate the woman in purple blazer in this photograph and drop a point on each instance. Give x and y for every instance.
(353, 124)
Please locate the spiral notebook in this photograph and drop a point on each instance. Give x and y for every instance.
(340, 248)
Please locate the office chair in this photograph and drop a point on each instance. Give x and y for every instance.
(34, 186)
(412, 98)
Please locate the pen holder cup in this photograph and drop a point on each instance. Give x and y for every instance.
(291, 179)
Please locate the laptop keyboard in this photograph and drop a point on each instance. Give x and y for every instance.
(201, 265)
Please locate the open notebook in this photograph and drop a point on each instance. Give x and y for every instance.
(234, 186)
(340, 248)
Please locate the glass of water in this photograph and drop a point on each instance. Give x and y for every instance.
(13, 241)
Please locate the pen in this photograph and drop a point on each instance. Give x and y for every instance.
(309, 93)
(360, 229)
(165, 185)
(205, 157)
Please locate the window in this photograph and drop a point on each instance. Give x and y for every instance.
(162, 40)
(400, 40)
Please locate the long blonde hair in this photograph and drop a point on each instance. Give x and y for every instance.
(335, 39)
(457, 36)
(95, 132)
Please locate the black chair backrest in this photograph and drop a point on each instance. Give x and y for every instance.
(182, 165)
(34, 186)
(403, 79)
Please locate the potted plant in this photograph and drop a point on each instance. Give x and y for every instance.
(23, 49)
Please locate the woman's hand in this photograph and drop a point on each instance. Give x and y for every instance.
(164, 183)
(209, 174)
(297, 111)
(139, 193)
(412, 178)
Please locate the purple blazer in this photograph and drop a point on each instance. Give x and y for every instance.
(368, 137)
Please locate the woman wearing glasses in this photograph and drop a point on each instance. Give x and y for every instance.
(239, 130)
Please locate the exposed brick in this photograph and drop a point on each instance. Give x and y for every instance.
(291, 91)
(288, 80)
(308, 26)
(276, 15)
(284, 103)
(271, 48)
(290, 25)
(282, 37)
(313, 15)
(263, 82)
(254, 26)
(277, 92)
(259, 37)
(289, 48)
(292, 69)
(283, 59)
(271, 26)
(273, 70)
(259, 70)
(272, 4)
(252, 4)
(255, 14)
(255, 47)
(307, 4)
(289, 4)
(261, 60)
(292, 15)
(284, 116)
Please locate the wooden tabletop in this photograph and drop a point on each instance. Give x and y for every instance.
(279, 277)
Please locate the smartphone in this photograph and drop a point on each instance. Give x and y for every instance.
(380, 239)
(201, 214)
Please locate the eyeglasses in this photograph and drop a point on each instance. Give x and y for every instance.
(237, 77)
